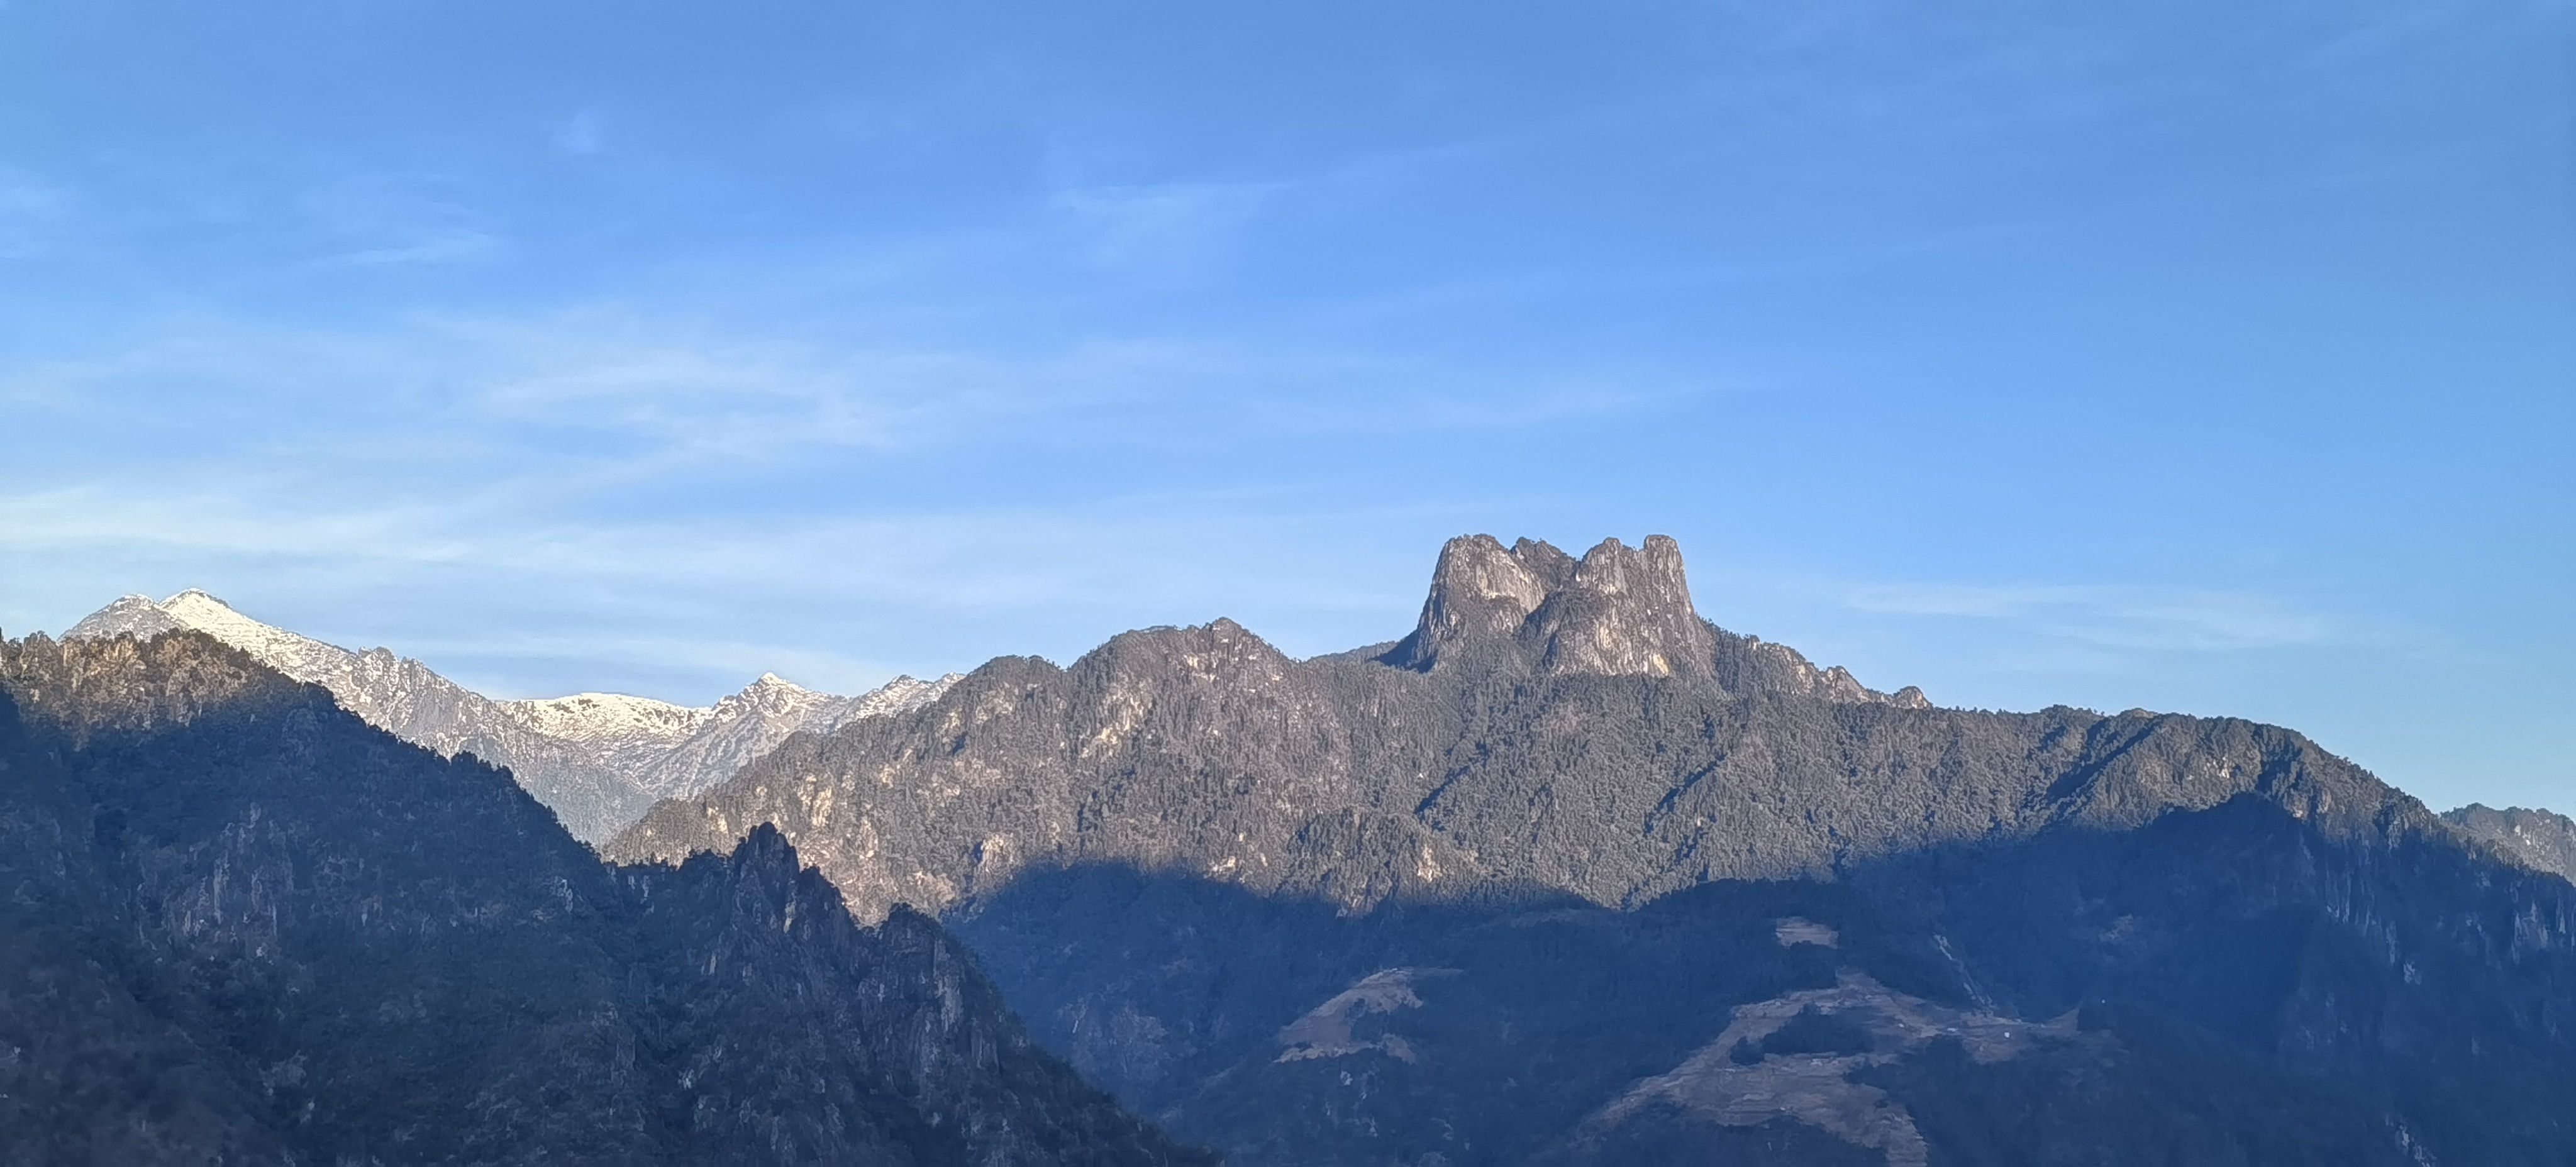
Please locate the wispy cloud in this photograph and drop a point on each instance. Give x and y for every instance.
(665, 387)
(449, 245)
(379, 219)
(1169, 229)
(655, 395)
(582, 133)
(2113, 617)
(31, 212)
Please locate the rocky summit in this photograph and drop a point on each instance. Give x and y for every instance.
(244, 927)
(1616, 612)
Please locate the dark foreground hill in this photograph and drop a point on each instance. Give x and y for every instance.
(238, 925)
(2230, 985)
(1570, 875)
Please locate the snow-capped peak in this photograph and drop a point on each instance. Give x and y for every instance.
(300, 657)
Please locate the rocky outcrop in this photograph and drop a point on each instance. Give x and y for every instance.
(742, 726)
(2539, 839)
(244, 927)
(1619, 611)
(597, 759)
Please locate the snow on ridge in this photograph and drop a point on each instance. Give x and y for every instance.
(597, 716)
(300, 657)
(900, 695)
(597, 759)
(133, 615)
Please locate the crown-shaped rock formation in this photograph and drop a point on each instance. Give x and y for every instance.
(1618, 611)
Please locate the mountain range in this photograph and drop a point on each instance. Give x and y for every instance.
(1569, 725)
(1567, 874)
(1570, 874)
(597, 759)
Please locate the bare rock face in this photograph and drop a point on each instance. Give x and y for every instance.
(1619, 611)
(1479, 591)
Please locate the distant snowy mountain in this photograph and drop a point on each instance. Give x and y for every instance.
(600, 760)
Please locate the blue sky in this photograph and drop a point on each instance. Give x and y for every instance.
(2196, 356)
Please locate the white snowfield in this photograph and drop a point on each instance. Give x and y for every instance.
(599, 760)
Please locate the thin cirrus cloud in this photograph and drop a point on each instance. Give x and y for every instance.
(656, 395)
(1169, 229)
(583, 133)
(443, 245)
(32, 211)
(388, 218)
(2126, 618)
(494, 381)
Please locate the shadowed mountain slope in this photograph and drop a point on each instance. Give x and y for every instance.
(2230, 985)
(242, 926)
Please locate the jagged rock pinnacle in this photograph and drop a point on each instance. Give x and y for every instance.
(1618, 611)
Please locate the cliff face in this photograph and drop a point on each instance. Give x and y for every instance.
(1563, 724)
(1616, 612)
(246, 927)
